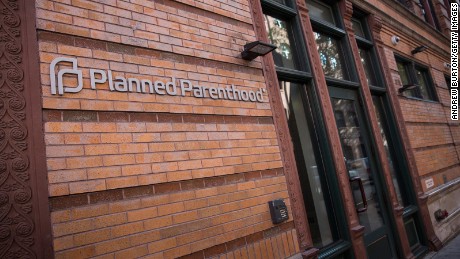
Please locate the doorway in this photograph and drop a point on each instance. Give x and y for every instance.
(365, 181)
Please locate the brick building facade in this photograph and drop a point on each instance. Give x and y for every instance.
(105, 155)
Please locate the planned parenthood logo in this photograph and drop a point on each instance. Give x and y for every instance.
(73, 71)
(180, 87)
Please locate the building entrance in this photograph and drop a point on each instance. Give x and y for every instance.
(366, 184)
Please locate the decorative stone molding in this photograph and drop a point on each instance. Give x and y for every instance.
(24, 229)
(329, 120)
(311, 253)
(442, 14)
(282, 129)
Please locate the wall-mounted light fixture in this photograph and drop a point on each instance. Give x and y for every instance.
(419, 49)
(255, 49)
(407, 88)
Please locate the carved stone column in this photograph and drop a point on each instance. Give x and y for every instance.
(282, 129)
(320, 84)
(24, 216)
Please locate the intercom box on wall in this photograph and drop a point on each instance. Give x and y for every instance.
(278, 211)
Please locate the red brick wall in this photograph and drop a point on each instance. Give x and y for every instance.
(133, 174)
(433, 136)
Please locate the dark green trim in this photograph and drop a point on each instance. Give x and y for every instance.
(391, 225)
(336, 31)
(411, 66)
(275, 7)
(298, 46)
(362, 42)
(419, 251)
(408, 192)
(368, 139)
(376, 90)
(292, 75)
(406, 186)
(331, 175)
(327, 28)
(321, 147)
(368, 44)
(336, 249)
(342, 83)
(409, 210)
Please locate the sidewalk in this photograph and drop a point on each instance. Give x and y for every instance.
(450, 251)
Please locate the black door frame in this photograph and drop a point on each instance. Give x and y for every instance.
(388, 228)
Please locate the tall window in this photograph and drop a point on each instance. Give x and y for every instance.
(448, 82)
(329, 37)
(390, 138)
(375, 82)
(414, 74)
(427, 10)
(366, 53)
(304, 120)
(280, 34)
(322, 226)
(429, 13)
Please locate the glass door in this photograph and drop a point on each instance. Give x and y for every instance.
(366, 185)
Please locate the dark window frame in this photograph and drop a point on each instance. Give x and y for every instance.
(288, 13)
(406, 187)
(411, 68)
(296, 57)
(366, 44)
(337, 32)
(430, 13)
(381, 93)
(448, 80)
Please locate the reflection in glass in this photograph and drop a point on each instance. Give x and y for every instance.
(278, 32)
(412, 234)
(383, 127)
(366, 60)
(313, 183)
(358, 164)
(320, 11)
(329, 54)
(358, 28)
(403, 73)
(421, 78)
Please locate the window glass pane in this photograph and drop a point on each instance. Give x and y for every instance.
(403, 73)
(358, 28)
(423, 84)
(391, 156)
(320, 11)
(279, 34)
(366, 60)
(358, 164)
(403, 69)
(280, 1)
(330, 57)
(448, 82)
(314, 187)
(412, 235)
